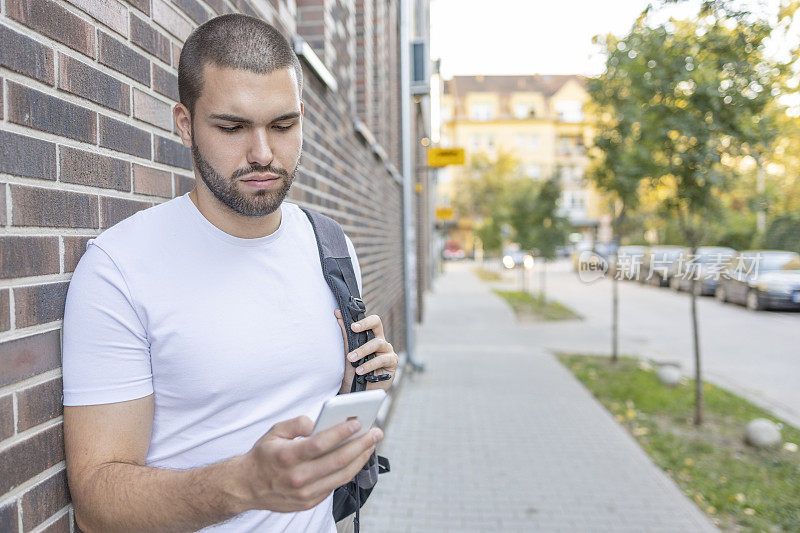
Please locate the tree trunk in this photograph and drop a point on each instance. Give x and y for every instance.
(542, 293)
(614, 317)
(698, 399)
(524, 279)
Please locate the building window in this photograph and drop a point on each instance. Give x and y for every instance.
(524, 110)
(476, 142)
(490, 141)
(482, 111)
(534, 142)
(569, 111)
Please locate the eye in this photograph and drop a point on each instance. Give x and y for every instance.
(283, 127)
(229, 129)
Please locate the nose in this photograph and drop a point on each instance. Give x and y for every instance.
(260, 151)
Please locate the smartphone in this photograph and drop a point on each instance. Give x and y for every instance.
(363, 406)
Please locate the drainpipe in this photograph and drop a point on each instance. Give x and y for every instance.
(409, 253)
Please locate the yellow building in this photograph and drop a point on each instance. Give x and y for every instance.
(539, 119)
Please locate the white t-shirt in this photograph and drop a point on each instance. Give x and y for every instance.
(231, 336)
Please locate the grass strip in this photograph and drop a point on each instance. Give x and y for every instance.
(740, 487)
(487, 275)
(532, 307)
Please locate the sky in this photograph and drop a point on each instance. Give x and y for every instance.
(495, 37)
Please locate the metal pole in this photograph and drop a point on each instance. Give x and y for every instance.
(409, 254)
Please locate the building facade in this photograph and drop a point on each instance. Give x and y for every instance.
(87, 139)
(538, 119)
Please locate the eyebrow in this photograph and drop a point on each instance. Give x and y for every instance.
(234, 118)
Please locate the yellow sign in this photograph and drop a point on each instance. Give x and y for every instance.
(444, 214)
(442, 157)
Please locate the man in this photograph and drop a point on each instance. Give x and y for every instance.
(200, 334)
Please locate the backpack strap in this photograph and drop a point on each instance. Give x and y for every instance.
(337, 267)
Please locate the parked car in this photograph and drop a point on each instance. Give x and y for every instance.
(657, 264)
(513, 258)
(592, 252)
(706, 266)
(762, 279)
(629, 261)
(453, 251)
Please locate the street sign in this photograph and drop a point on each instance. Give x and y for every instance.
(442, 157)
(444, 214)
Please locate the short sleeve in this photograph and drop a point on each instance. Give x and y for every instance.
(105, 350)
(354, 259)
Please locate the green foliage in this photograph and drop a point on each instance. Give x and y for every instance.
(712, 465)
(498, 197)
(534, 217)
(783, 233)
(529, 307)
(677, 103)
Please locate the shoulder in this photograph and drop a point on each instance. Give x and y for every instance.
(142, 230)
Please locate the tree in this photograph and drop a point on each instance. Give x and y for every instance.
(697, 91)
(535, 221)
(482, 194)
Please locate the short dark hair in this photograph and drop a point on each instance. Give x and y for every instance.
(233, 41)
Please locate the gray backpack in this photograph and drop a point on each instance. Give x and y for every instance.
(341, 278)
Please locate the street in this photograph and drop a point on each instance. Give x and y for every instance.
(755, 354)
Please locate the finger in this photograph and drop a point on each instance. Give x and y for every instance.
(340, 321)
(301, 426)
(376, 345)
(386, 363)
(322, 443)
(372, 322)
(341, 465)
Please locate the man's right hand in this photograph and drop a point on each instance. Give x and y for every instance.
(285, 474)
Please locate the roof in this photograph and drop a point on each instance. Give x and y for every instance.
(544, 83)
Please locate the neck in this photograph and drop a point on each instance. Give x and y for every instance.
(232, 222)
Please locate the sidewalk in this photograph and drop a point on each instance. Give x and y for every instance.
(496, 435)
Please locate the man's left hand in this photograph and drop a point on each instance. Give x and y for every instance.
(384, 362)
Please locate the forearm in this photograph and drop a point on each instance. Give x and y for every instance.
(128, 497)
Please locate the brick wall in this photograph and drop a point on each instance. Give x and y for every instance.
(86, 139)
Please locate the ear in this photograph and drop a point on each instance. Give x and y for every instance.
(183, 121)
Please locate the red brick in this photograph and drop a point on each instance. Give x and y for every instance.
(109, 12)
(35, 206)
(24, 55)
(81, 79)
(44, 500)
(59, 526)
(113, 210)
(124, 59)
(26, 357)
(172, 153)
(165, 83)
(170, 20)
(27, 156)
(149, 39)
(22, 256)
(39, 304)
(193, 8)
(52, 20)
(43, 112)
(6, 419)
(183, 184)
(74, 247)
(125, 138)
(176, 55)
(38, 404)
(141, 5)
(30, 457)
(9, 518)
(152, 181)
(87, 168)
(152, 110)
(5, 310)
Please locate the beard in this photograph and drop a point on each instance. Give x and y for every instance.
(257, 204)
